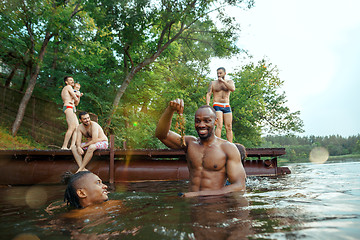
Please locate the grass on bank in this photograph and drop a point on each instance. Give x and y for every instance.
(8, 142)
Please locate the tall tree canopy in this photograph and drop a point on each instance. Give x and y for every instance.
(133, 56)
(259, 105)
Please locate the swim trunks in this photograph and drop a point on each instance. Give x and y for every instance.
(99, 145)
(222, 107)
(66, 107)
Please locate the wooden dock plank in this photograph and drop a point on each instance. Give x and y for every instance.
(156, 153)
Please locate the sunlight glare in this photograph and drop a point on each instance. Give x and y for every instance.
(319, 155)
(36, 197)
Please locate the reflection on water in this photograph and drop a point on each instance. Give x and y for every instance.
(316, 201)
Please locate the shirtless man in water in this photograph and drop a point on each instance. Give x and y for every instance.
(221, 89)
(211, 160)
(70, 101)
(84, 189)
(96, 140)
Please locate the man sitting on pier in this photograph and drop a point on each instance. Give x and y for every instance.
(211, 160)
(96, 140)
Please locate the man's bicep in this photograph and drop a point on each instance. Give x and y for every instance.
(172, 140)
(235, 169)
(72, 93)
(210, 87)
(95, 132)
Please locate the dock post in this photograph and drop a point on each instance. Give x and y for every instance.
(112, 163)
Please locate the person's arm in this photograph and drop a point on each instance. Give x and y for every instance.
(73, 95)
(162, 132)
(228, 83)
(208, 94)
(78, 141)
(235, 172)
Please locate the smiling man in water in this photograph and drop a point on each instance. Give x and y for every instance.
(211, 160)
(84, 189)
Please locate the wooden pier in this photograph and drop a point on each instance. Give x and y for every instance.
(23, 167)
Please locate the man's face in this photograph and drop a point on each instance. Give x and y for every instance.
(221, 73)
(70, 81)
(205, 120)
(96, 191)
(85, 119)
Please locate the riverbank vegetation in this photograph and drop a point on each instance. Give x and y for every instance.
(8, 142)
(299, 148)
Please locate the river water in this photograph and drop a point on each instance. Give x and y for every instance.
(315, 201)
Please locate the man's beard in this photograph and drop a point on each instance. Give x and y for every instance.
(204, 137)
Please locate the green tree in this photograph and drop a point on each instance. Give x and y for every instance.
(144, 30)
(258, 107)
(27, 29)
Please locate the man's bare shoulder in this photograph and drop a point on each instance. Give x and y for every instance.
(68, 88)
(228, 147)
(229, 80)
(95, 124)
(81, 127)
(191, 139)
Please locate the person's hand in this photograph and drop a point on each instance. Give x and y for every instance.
(80, 150)
(177, 105)
(221, 79)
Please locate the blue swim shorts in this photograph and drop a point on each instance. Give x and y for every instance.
(222, 107)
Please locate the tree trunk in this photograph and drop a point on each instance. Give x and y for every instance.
(30, 87)
(141, 65)
(28, 68)
(52, 79)
(12, 74)
(128, 79)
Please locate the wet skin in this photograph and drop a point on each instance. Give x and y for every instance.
(210, 159)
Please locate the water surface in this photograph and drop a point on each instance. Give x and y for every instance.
(314, 202)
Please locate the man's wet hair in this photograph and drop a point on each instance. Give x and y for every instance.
(82, 114)
(66, 78)
(242, 151)
(207, 106)
(221, 68)
(70, 197)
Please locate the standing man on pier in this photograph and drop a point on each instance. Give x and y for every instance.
(211, 160)
(70, 101)
(221, 89)
(96, 140)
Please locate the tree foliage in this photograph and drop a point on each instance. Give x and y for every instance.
(298, 148)
(258, 105)
(143, 52)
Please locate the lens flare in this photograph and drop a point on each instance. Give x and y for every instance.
(26, 236)
(36, 197)
(135, 124)
(319, 155)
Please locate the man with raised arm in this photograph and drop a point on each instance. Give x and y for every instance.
(70, 101)
(221, 89)
(211, 160)
(96, 140)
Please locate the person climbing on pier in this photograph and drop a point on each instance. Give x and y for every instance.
(96, 140)
(211, 160)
